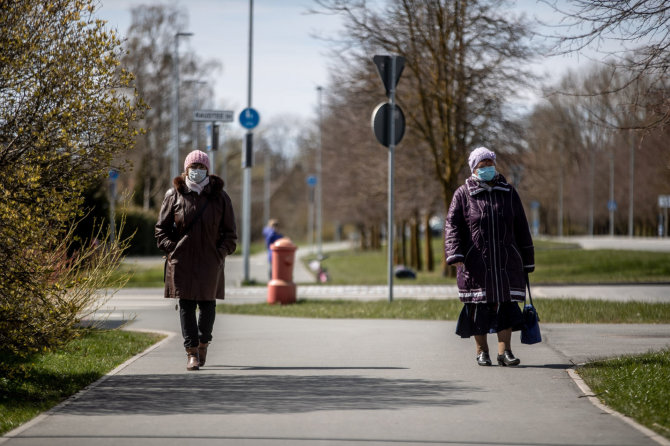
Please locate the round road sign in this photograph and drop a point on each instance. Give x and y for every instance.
(380, 119)
(249, 118)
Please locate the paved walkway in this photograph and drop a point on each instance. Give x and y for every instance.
(283, 381)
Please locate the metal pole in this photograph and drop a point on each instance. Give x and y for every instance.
(174, 131)
(246, 186)
(266, 185)
(196, 104)
(174, 168)
(560, 197)
(310, 219)
(611, 200)
(112, 210)
(212, 152)
(319, 221)
(389, 224)
(592, 161)
(631, 195)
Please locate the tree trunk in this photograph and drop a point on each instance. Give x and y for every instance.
(428, 245)
(415, 251)
(403, 244)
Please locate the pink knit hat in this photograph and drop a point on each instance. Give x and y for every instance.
(479, 154)
(196, 157)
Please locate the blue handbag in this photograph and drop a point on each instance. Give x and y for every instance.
(530, 332)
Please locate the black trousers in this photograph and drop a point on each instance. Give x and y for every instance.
(196, 329)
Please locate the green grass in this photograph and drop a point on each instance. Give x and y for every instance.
(637, 386)
(139, 276)
(600, 266)
(555, 262)
(550, 310)
(31, 386)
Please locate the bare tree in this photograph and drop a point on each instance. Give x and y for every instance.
(463, 60)
(582, 155)
(149, 54)
(641, 32)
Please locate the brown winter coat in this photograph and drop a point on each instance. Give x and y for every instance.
(196, 260)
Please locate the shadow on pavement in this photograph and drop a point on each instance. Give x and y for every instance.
(242, 394)
(255, 367)
(547, 366)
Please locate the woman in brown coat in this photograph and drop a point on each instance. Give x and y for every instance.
(196, 228)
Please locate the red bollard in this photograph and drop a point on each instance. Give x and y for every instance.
(281, 288)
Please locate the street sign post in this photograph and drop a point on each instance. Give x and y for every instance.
(388, 124)
(214, 115)
(664, 203)
(113, 177)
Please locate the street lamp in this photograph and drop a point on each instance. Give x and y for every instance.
(248, 158)
(319, 182)
(196, 104)
(174, 171)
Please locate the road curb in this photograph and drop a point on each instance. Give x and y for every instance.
(588, 393)
(28, 424)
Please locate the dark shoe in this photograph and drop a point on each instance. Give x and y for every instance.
(192, 359)
(202, 353)
(483, 358)
(508, 359)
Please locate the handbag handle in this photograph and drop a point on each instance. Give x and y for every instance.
(530, 297)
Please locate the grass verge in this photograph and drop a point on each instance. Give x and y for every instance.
(550, 310)
(33, 385)
(556, 263)
(638, 386)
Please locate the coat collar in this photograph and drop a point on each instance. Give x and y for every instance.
(499, 183)
(214, 187)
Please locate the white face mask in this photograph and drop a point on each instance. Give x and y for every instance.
(197, 175)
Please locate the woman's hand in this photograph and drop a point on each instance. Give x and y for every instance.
(458, 264)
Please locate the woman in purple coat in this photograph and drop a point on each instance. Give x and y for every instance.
(488, 239)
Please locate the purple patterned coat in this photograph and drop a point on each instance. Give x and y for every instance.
(486, 229)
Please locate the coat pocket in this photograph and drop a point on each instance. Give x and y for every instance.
(474, 270)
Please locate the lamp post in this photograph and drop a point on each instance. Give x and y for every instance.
(248, 159)
(319, 182)
(195, 104)
(174, 171)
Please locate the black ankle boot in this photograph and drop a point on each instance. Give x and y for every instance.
(508, 359)
(483, 358)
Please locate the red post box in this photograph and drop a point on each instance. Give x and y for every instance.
(281, 288)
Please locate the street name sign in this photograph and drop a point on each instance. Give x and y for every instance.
(214, 115)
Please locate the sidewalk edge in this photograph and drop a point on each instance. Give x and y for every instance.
(588, 393)
(33, 421)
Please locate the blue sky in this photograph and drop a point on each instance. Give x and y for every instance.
(288, 63)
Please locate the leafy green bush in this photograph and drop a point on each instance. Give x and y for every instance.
(66, 113)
